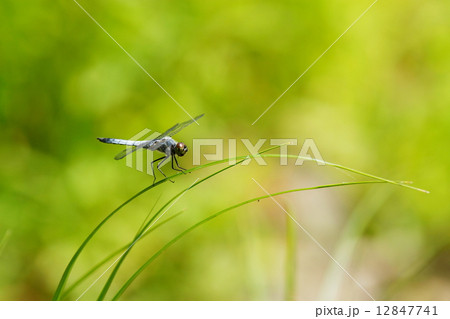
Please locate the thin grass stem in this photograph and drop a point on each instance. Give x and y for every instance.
(211, 217)
(112, 255)
(68, 269)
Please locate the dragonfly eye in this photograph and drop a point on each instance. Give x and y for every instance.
(181, 149)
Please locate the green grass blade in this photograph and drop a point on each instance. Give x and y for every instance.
(71, 263)
(148, 215)
(178, 237)
(112, 255)
(402, 184)
(68, 269)
(119, 263)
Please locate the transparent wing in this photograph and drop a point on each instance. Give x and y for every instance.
(129, 150)
(179, 126)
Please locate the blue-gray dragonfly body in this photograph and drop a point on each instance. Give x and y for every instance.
(163, 143)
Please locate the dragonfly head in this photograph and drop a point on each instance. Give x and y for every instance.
(180, 149)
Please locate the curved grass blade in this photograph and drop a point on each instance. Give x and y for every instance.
(71, 263)
(403, 184)
(148, 215)
(112, 255)
(119, 263)
(68, 269)
(211, 217)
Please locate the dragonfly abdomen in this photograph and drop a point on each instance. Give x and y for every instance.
(118, 141)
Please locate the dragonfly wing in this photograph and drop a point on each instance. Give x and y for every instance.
(128, 150)
(178, 127)
(124, 153)
(169, 130)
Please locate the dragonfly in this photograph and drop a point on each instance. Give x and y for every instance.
(163, 143)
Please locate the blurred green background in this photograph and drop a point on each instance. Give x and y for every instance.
(378, 101)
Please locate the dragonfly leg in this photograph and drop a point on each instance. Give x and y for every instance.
(159, 165)
(153, 171)
(176, 162)
(180, 169)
